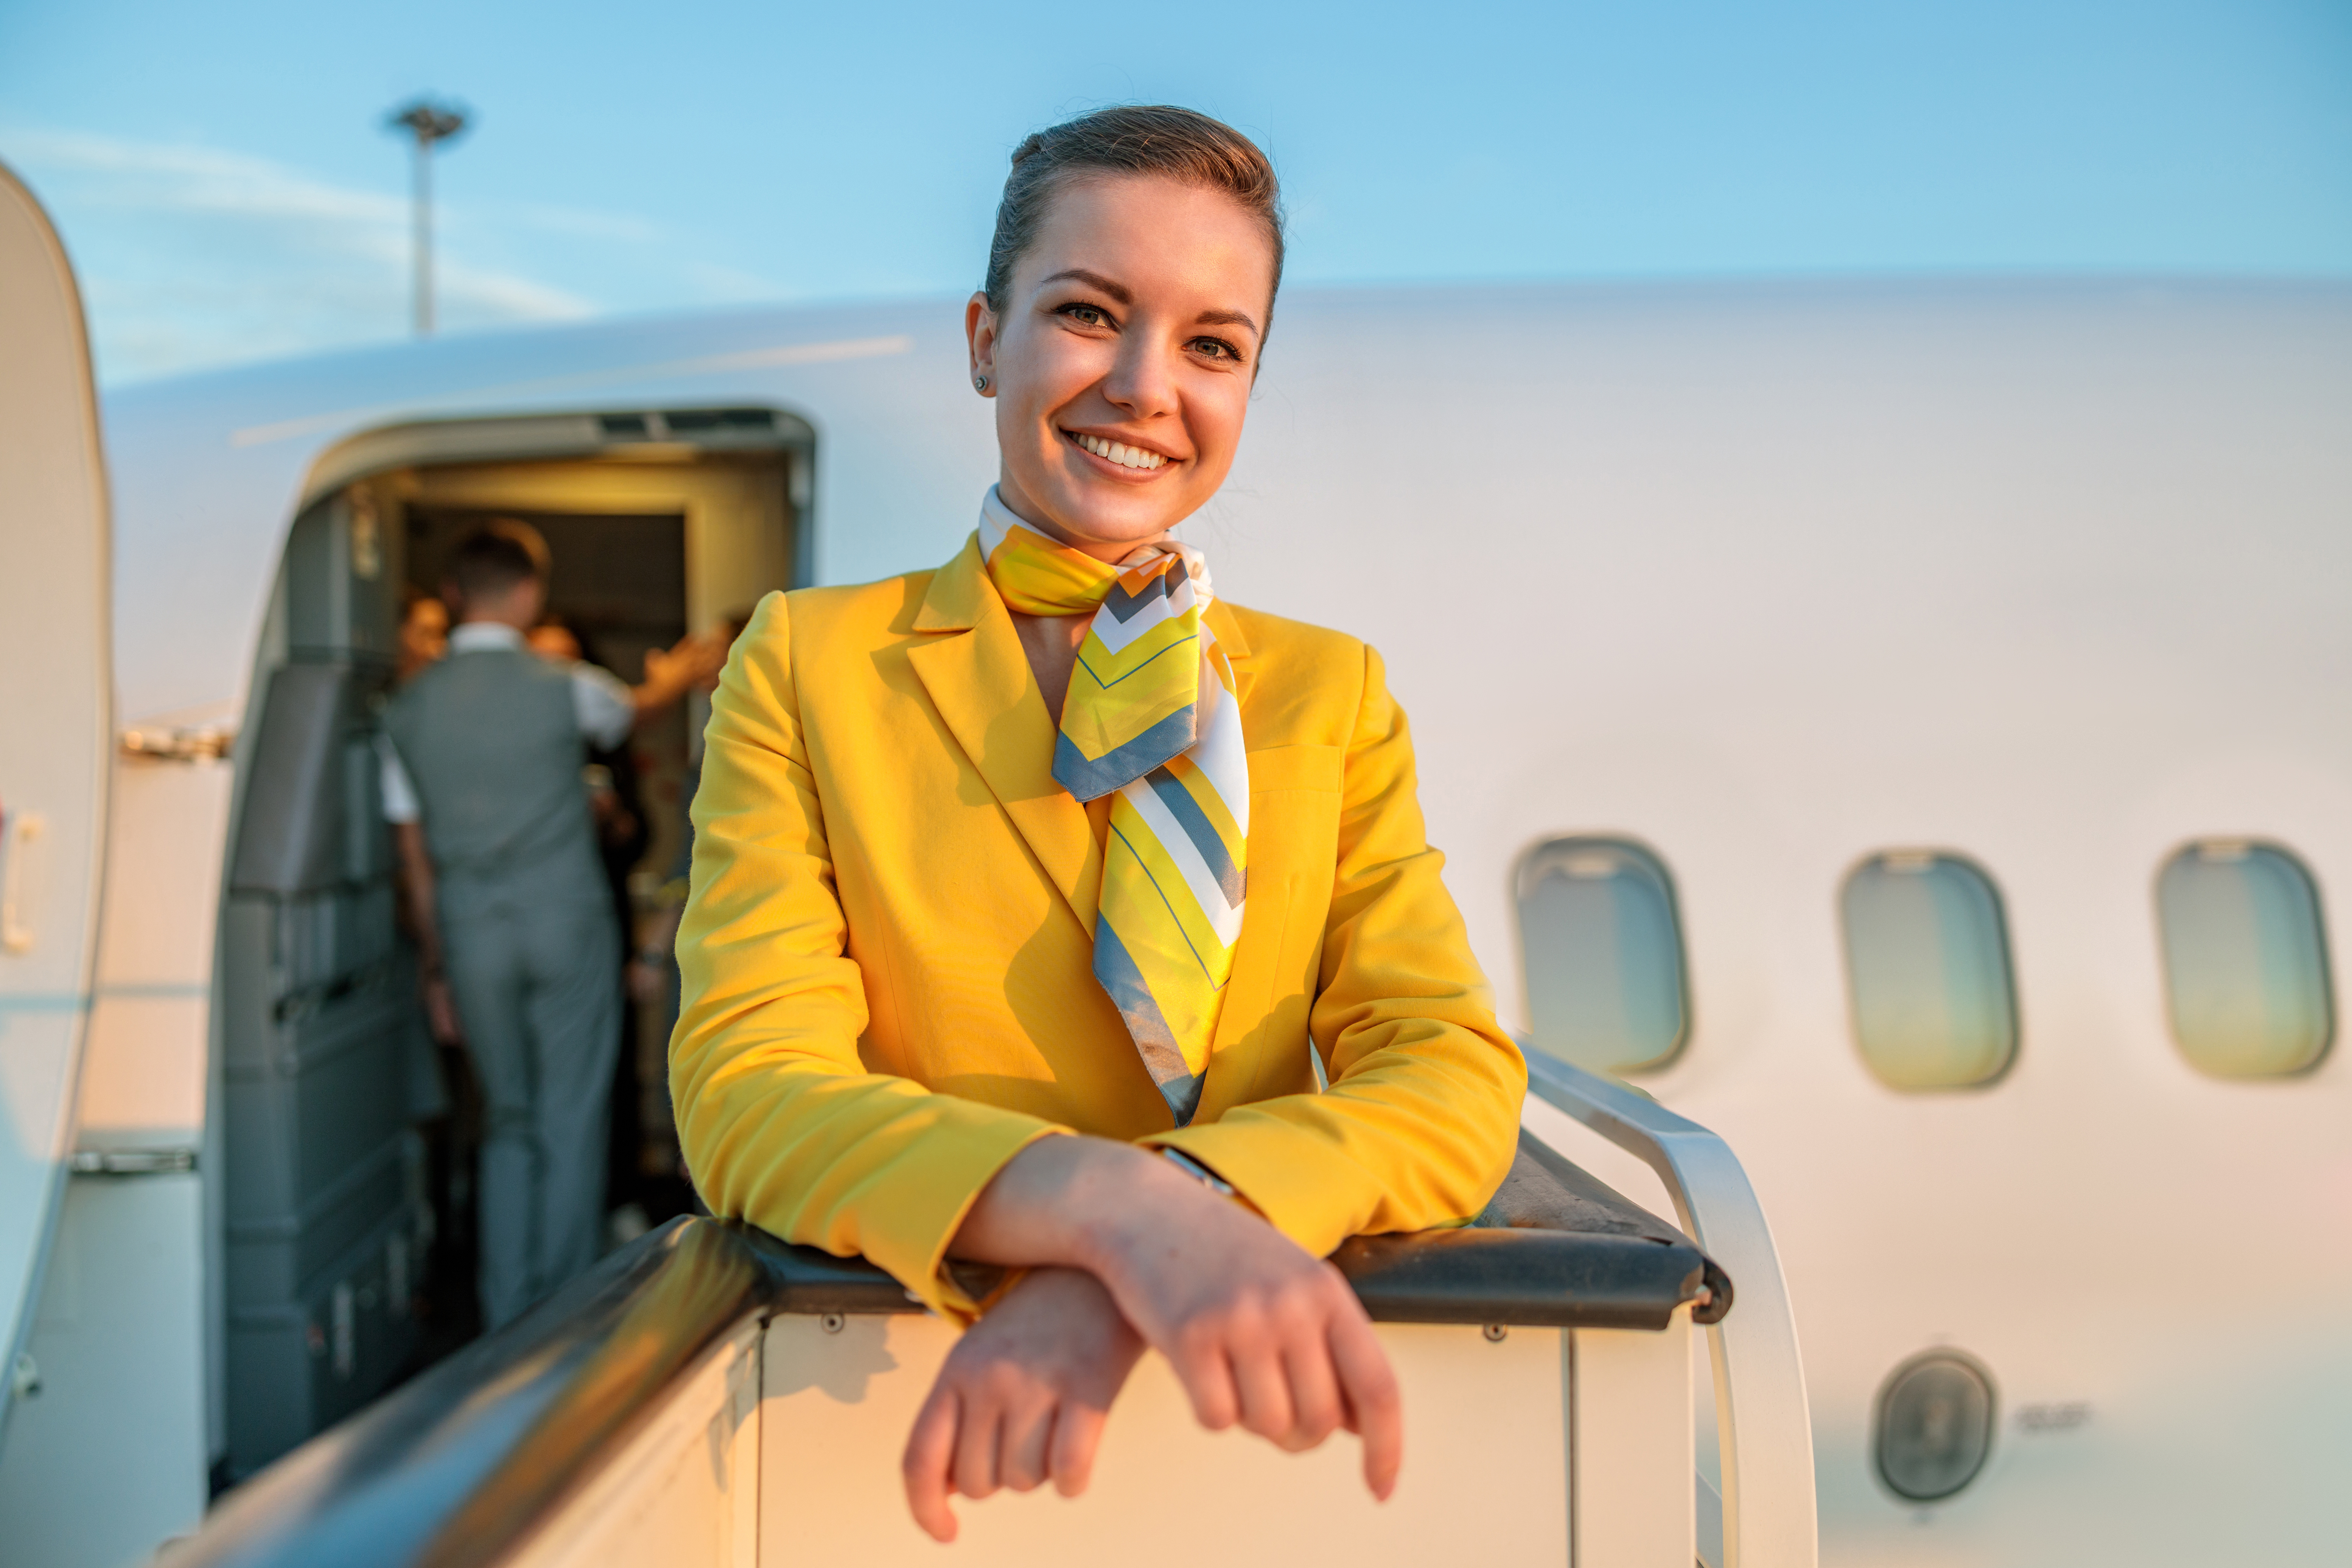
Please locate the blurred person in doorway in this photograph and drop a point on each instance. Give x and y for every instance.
(655, 972)
(690, 664)
(505, 891)
(652, 971)
(423, 633)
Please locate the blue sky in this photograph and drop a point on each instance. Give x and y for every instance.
(221, 174)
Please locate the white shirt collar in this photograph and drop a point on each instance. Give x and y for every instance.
(477, 637)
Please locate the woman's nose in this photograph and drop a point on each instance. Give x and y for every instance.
(1141, 383)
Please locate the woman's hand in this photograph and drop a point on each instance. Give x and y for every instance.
(1022, 1398)
(1259, 1332)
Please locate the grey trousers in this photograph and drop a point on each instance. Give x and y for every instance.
(537, 991)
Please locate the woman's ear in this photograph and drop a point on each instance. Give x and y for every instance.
(980, 335)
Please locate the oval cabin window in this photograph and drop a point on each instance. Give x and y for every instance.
(1601, 947)
(1928, 959)
(2245, 959)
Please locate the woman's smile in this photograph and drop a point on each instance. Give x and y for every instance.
(1124, 459)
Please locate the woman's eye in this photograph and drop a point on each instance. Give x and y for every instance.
(1215, 348)
(1087, 315)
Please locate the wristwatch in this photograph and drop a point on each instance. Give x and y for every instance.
(1200, 1172)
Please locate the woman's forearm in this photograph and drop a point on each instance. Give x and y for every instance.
(1071, 1202)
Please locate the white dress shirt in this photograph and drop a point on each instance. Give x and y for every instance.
(601, 704)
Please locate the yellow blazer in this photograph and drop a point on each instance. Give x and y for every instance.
(888, 957)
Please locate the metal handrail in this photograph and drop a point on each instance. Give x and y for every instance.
(1763, 1422)
(461, 1466)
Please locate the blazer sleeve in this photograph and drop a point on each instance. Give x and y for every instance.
(781, 1123)
(1420, 1119)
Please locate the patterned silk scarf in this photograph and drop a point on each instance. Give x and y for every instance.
(1151, 715)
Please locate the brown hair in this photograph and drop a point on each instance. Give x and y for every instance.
(495, 557)
(1144, 139)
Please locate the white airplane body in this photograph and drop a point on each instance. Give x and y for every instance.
(1768, 580)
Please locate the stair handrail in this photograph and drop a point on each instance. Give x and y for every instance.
(1763, 1425)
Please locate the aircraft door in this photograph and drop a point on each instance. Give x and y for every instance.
(56, 734)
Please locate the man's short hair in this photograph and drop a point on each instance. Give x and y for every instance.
(495, 557)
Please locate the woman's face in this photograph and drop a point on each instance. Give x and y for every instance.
(424, 634)
(550, 640)
(1133, 322)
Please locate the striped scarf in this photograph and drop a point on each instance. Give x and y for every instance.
(1151, 718)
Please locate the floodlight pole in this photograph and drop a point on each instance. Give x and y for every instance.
(428, 122)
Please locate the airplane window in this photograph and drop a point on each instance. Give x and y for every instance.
(2245, 961)
(1928, 959)
(1601, 947)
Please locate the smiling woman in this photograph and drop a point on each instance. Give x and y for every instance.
(1064, 939)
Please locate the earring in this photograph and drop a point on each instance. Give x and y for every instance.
(979, 383)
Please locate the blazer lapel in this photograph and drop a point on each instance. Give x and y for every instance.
(975, 673)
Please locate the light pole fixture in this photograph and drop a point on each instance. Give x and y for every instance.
(428, 122)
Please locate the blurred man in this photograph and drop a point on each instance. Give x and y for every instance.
(506, 888)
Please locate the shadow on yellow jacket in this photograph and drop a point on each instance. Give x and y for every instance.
(888, 955)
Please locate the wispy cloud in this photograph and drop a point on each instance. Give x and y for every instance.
(584, 224)
(721, 285)
(178, 176)
(192, 256)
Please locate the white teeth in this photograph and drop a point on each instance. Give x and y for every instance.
(1118, 452)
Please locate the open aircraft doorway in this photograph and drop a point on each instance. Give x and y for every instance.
(348, 1227)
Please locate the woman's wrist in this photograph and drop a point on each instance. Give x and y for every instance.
(1076, 1202)
(1095, 1194)
(1128, 1206)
